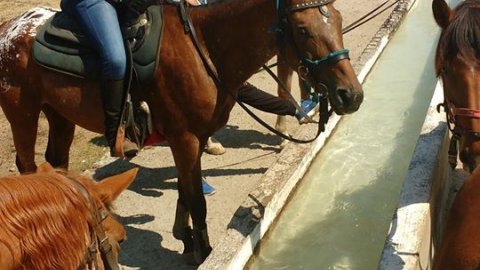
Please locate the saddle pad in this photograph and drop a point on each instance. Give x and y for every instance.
(68, 52)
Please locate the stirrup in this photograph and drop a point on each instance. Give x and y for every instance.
(123, 147)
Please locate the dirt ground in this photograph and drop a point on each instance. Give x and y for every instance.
(147, 208)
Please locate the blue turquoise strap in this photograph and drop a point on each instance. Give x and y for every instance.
(328, 57)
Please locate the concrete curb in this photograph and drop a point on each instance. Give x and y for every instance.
(423, 195)
(258, 212)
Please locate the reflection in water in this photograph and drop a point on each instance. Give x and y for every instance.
(339, 216)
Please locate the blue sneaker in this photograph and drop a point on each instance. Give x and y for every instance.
(309, 106)
(207, 188)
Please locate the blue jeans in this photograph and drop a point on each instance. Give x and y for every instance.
(99, 20)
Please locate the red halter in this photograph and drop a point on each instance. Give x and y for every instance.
(454, 112)
(456, 129)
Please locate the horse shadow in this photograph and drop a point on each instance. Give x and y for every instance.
(142, 246)
(233, 137)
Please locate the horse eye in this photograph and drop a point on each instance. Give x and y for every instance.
(303, 31)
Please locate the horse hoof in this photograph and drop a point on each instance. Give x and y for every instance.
(201, 245)
(214, 147)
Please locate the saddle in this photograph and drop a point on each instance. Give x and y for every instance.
(61, 45)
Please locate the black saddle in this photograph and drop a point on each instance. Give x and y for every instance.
(61, 45)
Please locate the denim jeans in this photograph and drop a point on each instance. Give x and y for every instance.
(99, 20)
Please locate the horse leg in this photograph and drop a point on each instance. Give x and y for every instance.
(285, 75)
(182, 230)
(23, 118)
(187, 150)
(60, 138)
(214, 147)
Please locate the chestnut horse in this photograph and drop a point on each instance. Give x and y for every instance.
(51, 220)
(188, 104)
(457, 64)
(460, 243)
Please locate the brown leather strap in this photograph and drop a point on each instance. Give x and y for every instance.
(308, 4)
(119, 141)
(98, 237)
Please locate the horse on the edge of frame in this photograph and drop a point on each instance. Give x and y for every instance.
(457, 64)
(460, 242)
(54, 220)
(187, 104)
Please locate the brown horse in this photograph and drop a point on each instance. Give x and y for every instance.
(188, 105)
(457, 64)
(51, 220)
(460, 243)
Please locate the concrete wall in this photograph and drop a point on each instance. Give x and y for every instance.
(419, 218)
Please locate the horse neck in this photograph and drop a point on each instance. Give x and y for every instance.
(237, 38)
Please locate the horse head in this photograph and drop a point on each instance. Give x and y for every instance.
(313, 34)
(107, 232)
(457, 64)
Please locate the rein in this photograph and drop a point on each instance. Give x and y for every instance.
(457, 130)
(98, 238)
(308, 63)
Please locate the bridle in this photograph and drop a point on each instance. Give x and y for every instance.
(452, 113)
(305, 67)
(98, 238)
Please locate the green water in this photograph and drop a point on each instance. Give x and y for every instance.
(340, 215)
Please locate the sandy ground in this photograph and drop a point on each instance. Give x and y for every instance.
(147, 208)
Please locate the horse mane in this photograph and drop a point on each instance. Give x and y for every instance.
(462, 36)
(49, 219)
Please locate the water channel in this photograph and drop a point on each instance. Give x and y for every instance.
(340, 215)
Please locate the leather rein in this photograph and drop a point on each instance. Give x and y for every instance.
(98, 238)
(452, 112)
(307, 64)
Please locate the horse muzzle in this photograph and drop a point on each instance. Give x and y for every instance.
(346, 100)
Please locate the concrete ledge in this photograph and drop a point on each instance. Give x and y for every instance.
(408, 245)
(259, 211)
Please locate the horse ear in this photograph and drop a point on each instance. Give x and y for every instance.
(45, 167)
(111, 187)
(442, 13)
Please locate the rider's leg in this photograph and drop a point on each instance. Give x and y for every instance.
(100, 21)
